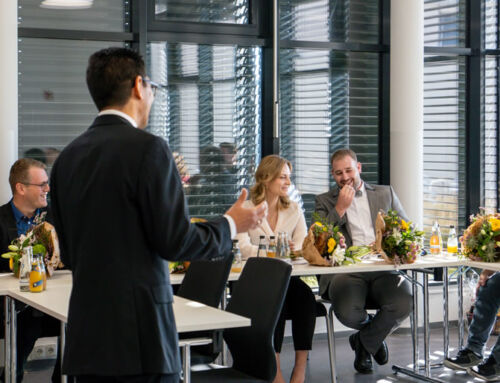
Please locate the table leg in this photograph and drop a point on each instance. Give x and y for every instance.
(13, 340)
(446, 329)
(460, 282)
(7, 345)
(225, 351)
(331, 343)
(415, 371)
(414, 321)
(62, 343)
(186, 363)
(426, 325)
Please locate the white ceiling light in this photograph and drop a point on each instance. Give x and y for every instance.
(66, 4)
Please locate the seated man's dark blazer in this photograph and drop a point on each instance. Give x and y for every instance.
(8, 232)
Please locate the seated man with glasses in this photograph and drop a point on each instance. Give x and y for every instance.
(29, 184)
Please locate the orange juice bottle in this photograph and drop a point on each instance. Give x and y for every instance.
(36, 277)
(237, 261)
(452, 243)
(271, 249)
(434, 242)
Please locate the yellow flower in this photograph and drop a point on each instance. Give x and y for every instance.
(331, 244)
(404, 225)
(495, 224)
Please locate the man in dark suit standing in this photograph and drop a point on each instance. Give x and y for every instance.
(353, 206)
(120, 213)
(29, 184)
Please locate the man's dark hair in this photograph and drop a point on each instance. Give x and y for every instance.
(19, 172)
(111, 73)
(341, 153)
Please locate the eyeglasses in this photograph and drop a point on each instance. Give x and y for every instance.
(152, 84)
(43, 185)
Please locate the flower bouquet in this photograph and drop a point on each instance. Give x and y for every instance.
(325, 245)
(396, 240)
(180, 267)
(481, 240)
(43, 238)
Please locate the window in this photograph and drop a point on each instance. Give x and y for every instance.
(329, 96)
(444, 23)
(104, 15)
(330, 20)
(210, 114)
(54, 102)
(444, 142)
(221, 11)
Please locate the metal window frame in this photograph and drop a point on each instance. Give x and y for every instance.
(144, 28)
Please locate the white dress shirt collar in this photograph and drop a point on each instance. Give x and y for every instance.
(359, 219)
(119, 113)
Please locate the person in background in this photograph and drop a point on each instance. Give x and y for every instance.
(36, 154)
(29, 184)
(120, 213)
(353, 205)
(51, 154)
(485, 315)
(228, 150)
(272, 180)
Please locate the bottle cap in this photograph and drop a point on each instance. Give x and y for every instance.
(262, 237)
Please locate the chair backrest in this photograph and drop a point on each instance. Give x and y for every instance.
(205, 281)
(258, 294)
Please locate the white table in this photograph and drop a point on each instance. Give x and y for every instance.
(374, 264)
(54, 301)
(482, 265)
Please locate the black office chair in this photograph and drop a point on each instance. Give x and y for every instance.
(205, 282)
(258, 294)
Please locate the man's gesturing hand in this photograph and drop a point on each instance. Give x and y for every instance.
(346, 195)
(247, 218)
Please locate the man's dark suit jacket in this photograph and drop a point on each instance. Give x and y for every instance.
(8, 232)
(120, 214)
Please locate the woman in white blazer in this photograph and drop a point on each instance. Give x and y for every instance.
(272, 180)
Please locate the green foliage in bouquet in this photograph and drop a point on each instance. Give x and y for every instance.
(400, 240)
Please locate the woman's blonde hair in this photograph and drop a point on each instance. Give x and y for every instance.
(269, 169)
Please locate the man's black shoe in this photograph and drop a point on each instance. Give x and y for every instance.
(464, 359)
(489, 370)
(363, 359)
(382, 354)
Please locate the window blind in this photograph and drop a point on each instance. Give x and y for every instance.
(221, 11)
(444, 142)
(328, 100)
(330, 20)
(211, 116)
(54, 102)
(491, 24)
(490, 136)
(104, 15)
(444, 23)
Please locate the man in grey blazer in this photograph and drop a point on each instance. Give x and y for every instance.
(353, 206)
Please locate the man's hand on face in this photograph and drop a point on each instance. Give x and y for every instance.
(346, 195)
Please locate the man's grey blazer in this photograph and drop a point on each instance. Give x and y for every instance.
(380, 197)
